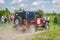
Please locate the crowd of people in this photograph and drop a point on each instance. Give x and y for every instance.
(10, 18)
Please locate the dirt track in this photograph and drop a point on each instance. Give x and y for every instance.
(9, 33)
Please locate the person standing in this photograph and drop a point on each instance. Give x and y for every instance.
(3, 19)
(48, 19)
(12, 18)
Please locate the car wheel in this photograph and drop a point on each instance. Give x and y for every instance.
(32, 28)
(17, 21)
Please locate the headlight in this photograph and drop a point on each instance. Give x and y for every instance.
(16, 14)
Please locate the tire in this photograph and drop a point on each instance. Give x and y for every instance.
(17, 21)
(32, 28)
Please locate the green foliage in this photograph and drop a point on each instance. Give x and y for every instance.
(41, 12)
(20, 10)
(53, 16)
(1, 13)
(58, 17)
(4, 12)
(52, 34)
(55, 20)
(54, 13)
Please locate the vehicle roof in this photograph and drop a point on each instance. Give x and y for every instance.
(25, 12)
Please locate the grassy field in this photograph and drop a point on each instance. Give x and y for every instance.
(52, 34)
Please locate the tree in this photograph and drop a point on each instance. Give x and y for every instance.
(7, 11)
(41, 12)
(20, 10)
(23, 10)
(54, 13)
(4, 12)
(1, 13)
(17, 10)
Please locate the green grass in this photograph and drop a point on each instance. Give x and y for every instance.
(52, 34)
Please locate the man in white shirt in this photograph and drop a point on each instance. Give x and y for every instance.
(3, 19)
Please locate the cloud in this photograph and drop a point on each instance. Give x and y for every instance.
(56, 5)
(22, 5)
(2, 1)
(53, 1)
(32, 9)
(16, 1)
(43, 7)
(39, 2)
(48, 6)
(56, 1)
(35, 3)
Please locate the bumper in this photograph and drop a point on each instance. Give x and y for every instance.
(40, 25)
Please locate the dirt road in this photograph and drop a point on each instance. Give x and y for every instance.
(7, 32)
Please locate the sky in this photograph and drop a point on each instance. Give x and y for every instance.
(31, 5)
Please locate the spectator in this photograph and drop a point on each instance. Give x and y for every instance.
(3, 19)
(48, 18)
(12, 18)
(45, 18)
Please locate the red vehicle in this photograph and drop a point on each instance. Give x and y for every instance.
(29, 20)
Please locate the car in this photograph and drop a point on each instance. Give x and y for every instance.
(29, 20)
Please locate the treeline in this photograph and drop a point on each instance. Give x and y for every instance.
(53, 15)
(7, 12)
